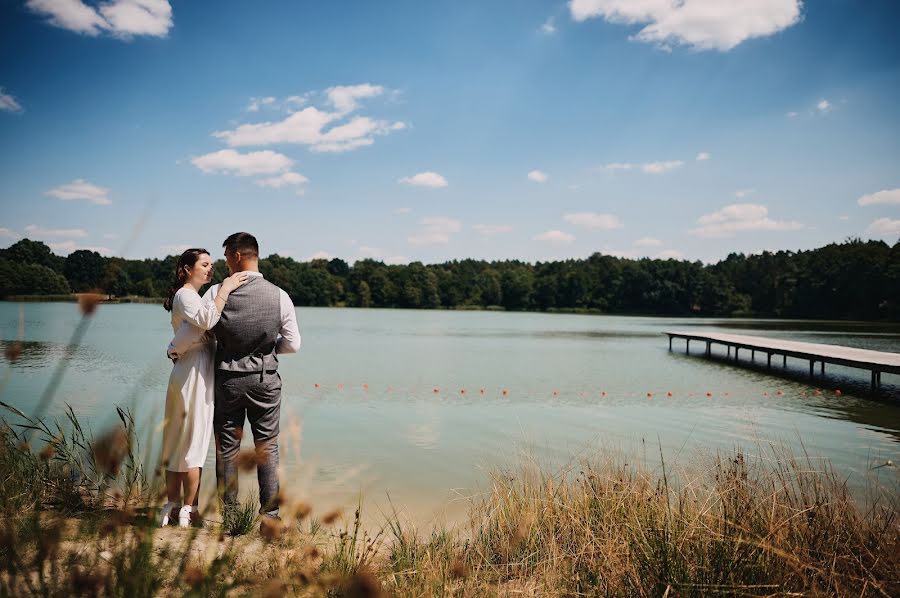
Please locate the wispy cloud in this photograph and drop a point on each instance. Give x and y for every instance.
(399, 211)
(647, 242)
(229, 161)
(174, 249)
(557, 237)
(424, 179)
(593, 220)
(698, 24)
(6, 233)
(255, 103)
(537, 176)
(740, 218)
(702, 156)
(659, 167)
(283, 180)
(492, 229)
(823, 106)
(322, 130)
(119, 18)
(80, 189)
(549, 27)
(883, 197)
(8, 103)
(35, 231)
(884, 227)
(436, 231)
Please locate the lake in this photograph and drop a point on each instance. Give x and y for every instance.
(421, 405)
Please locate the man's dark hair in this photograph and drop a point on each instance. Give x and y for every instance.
(243, 243)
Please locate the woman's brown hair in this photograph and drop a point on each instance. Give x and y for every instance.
(185, 262)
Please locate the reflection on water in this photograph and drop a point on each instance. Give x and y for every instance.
(420, 404)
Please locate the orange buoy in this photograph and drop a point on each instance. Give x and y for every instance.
(482, 391)
(779, 392)
(317, 385)
(340, 387)
(462, 391)
(505, 392)
(365, 386)
(669, 394)
(838, 391)
(603, 394)
(649, 394)
(709, 394)
(436, 391)
(555, 393)
(765, 394)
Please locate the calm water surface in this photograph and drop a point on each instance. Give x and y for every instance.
(411, 404)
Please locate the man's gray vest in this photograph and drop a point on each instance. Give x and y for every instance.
(247, 331)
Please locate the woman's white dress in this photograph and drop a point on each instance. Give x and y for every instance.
(187, 428)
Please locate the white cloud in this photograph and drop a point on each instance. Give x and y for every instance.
(699, 24)
(308, 127)
(823, 106)
(792, 114)
(288, 178)
(6, 233)
(173, 249)
(231, 162)
(554, 236)
(344, 97)
(884, 227)
(492, 229)
(67, 247)
(424, 179)
(399, 211)
(9, 103)
(119, 18)
(669, 254)
(110, 236)
(549, 27)
(738, 218)
(647, 242)
(435, 231)
(661, 167)
(702, 156)
(883, 197)
(843, 217)
(396, 260)
(81, 189)
(256, 103)
(537, 176)
(743, 192)
(593, 220)
(319, 255)
(39, 232)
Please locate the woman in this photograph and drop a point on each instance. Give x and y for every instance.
(189, 399)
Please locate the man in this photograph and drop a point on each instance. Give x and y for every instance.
(257, 324)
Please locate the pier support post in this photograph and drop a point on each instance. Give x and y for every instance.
(769, 362)
(874, 381)
(736, 349)
(823, 368)
(729, 351)
(708, 348)
(753, 355)
(812, 367)
(670, 342)
(784, 361)
(688, 347)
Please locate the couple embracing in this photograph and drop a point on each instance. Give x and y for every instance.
(225, 353)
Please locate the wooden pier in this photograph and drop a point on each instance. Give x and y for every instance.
(874, 361)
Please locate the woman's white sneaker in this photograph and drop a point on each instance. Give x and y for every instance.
(165, 514)
(184, 516)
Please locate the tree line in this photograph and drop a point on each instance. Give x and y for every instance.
(849, 280)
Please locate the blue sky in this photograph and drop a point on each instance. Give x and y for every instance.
(436, 130)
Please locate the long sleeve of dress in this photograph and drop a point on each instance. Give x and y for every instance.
(202, 313)
(197, 316)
